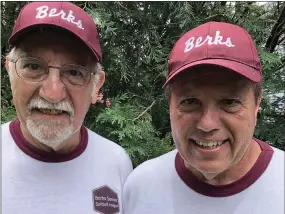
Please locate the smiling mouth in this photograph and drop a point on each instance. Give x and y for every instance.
(50, 111)
(209, 144)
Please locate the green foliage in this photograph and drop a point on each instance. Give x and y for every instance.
(131, 127)
(141, 49)
(9, 12)
(271, 117)
(273, 72)
(7, 114)
(136, 39)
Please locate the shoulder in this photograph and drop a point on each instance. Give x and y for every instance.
(275, 160)
(278, 152)
(266, 147)
(154, 169)
(149, 179)
(5, 126)
(5, 131)
(107, 148)
(278, 157)
(273, 154)
(99, 141)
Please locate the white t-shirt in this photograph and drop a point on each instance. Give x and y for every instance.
(87, 180)
(164, 186)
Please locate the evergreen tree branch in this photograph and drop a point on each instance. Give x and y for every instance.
(144, 111)
(281, 39)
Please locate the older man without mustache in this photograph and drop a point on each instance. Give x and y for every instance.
(51, 162)
(214, 92)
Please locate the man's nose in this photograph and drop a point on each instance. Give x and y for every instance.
(53, 89)
(209, 120)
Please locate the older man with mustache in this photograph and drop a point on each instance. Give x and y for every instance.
(51, 162)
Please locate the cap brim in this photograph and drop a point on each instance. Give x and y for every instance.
(13, 40)
(242, 69)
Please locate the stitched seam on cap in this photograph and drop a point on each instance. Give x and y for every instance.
(207, 47)
(233, 61)
(208, 59)
(251, 41)
(20, 16)
(180, 37)
(59, 17)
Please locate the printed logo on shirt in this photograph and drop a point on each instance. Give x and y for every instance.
(105, 200)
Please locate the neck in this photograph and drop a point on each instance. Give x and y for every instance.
(65, 147)
(235, 172)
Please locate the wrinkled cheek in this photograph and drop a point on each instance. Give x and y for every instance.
(242, 140)
(79, 115)
(22, 93)
(179, 129)
(21, 107)
(77, 123)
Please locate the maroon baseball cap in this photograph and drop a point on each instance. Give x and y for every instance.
(215, 43)
(64, 15)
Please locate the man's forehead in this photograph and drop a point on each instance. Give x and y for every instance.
(58, 41)
(209, 74)
(210, 77)
(51, 35)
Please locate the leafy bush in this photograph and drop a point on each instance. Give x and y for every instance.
(132, 128)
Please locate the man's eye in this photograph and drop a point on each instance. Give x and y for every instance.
(230, 102)
(74, 73)
(189, 101)
(32, 66)
(189, 104)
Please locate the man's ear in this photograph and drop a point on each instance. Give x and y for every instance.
(7, 64)
(258, 104)
(99, 84)
(257, 108)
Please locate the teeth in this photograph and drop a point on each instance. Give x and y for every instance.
(209, 144)
(50, 111)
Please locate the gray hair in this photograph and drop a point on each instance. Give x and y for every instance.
(12, 56)
(15, 53)
(98, 69)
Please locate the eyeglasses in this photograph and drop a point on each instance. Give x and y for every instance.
(36, 70)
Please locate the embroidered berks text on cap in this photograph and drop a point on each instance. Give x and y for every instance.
(45, 11)
(217, 40)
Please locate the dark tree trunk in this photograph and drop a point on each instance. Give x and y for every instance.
(277, 30)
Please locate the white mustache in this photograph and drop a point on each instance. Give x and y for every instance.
(61, 106)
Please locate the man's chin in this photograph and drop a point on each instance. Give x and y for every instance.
(210, 168)
(50, 133)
